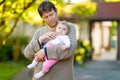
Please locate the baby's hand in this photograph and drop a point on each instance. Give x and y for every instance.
(64, 47)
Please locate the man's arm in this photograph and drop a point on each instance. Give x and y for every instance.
(36, 44)
(32, 47)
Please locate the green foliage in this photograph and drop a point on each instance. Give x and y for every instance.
(84, 9)
(6, 52)
(11, 9)
(24, 9)
(106, 0)
(11, 50)
(114, 28)
(112, 0)
(83, 51)
(10, 13)
(10, 69)
(31, 16)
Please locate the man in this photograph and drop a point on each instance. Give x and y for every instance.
(63, 70)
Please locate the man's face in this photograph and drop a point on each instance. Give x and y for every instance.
(50, 18)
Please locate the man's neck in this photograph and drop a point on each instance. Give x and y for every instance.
(53, 27)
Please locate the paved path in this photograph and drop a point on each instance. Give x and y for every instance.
(98, 70)
(25, 74)
(94, 70)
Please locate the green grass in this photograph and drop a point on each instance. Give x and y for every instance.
(9, 69)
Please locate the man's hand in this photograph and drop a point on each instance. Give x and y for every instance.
(48, 35)
(64, 47)
(40, 54)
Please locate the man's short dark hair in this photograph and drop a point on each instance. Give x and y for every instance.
(46, 6)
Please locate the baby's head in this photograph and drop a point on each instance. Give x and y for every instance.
(63, 28)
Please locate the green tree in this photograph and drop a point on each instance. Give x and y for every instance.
(10, 13)
(78, 11)
(84, 9)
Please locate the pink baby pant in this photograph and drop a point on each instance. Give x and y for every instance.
(47, 64)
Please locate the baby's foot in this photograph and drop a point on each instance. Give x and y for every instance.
(39, 74)
(31, 66)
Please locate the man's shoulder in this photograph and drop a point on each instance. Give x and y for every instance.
(42, 28)
(70, 23)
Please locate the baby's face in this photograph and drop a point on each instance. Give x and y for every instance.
(62, 29)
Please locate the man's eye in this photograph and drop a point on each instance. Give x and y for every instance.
(45, 17)
(51, 14)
